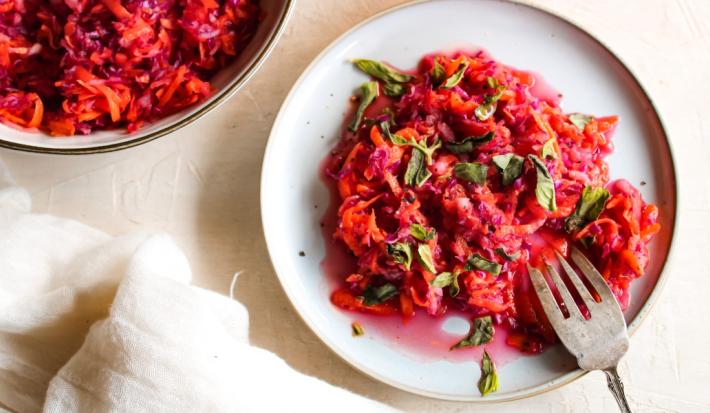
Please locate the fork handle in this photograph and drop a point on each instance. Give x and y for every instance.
(617, 389)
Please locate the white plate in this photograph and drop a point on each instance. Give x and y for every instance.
(592, 80)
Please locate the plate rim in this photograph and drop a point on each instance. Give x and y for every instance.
(526, 392)
(228, 91)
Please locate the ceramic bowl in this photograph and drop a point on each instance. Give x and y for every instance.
(226, 82)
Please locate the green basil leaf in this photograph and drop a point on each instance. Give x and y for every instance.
(416, 162)
(481, 333)
(443, 279)
(422, 234)
(401, 253)
(438, 73)
(454, 287)
(382, 71)
(398, 140)
(508, 257)
(422, 176)
(369, 92)
(548, 150)
(417, 173)
(510, 165)
(428, 151)
(385, 127)
(418, 231)
(592, 202)
(467, 145)
(477, 262)
(357, 329)
(486, 109)
(492, 82)
(545, 187)
(589, 206)
(378, 295)
(394, 89)
(454, 79)
(472, 172)
(580, 120)
(425, 258)
(488, 383)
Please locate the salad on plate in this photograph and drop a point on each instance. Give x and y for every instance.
(451, 178)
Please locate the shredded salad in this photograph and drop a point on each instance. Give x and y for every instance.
(453, 177)
(72, 66)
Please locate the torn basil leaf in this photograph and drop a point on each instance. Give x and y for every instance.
(357, 329)
(369, 92)
(425, 259)
(589, 206)
(580, 120)
(417, 173)
(481, 333)
(477, 262)
(545, 187)
(454, 287)
(492, 82)
(382, 71)
(488, 383)
(422, 234)
(508, 257)
(422, 176)
(378, 295)
(454, 79)
(472, 172)
(548, 150)
(467, 145)
(394, 89)
(438, 73)
(401, 253)
(443, 279)
(488, 107)
(427, 151)
(510, 165)
(416, 162)
(394, 138)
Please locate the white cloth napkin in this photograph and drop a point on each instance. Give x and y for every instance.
(91, 323)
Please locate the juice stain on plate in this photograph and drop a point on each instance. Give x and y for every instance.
(543, 90)
(428, 339)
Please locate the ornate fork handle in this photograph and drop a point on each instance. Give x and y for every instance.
(617, 389)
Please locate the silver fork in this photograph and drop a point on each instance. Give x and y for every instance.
(597, 343)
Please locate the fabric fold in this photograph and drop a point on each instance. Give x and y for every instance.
(92, 323)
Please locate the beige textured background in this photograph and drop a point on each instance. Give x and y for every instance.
(201, 186)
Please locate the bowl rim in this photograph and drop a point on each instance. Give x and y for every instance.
(527, 392)
(232, 87)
